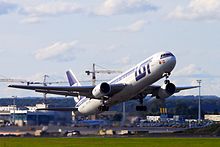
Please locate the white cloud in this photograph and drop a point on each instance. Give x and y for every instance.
(198, 10)
(59, 51)
(34, 11)
(112, 7)
(190, 74)
(7, 7)
(52, 8)
(189, 70)
(106, 8)
(134, 27)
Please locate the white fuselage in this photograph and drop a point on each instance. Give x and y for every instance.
(136, 79)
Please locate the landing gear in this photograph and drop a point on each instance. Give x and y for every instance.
(166, 75)
(103, 108)
(141, 107)
(166, 81)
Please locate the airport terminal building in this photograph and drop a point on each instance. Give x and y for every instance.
(30, 116)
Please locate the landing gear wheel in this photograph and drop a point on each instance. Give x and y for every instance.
(166, 81)
(141, 108)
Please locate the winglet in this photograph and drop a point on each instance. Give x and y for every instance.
(72, 78)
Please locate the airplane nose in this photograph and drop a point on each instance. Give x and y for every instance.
(171, 62)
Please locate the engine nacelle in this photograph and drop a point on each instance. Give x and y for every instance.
(101, 90)
(166, 90)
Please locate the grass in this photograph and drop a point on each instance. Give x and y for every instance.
(109, 142)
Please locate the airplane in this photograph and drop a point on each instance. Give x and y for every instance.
(135, 83)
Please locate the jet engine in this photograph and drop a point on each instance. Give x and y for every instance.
(101, 90)
(166, 90)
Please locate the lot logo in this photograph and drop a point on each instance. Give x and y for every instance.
(141, 71)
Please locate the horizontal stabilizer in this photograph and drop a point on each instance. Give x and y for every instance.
(59, 109)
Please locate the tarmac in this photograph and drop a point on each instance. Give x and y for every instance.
(86, 130)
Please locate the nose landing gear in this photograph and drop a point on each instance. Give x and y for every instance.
(166, 75)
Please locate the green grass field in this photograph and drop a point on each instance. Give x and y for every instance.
(109, 142)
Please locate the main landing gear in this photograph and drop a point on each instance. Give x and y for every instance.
(141, 107)
(103, 107)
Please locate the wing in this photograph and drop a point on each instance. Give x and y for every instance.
(69, 90)
(59, 90)
(153, 90)
(178, 89)
(59, 109)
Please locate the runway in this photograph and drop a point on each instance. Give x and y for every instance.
(88, 131)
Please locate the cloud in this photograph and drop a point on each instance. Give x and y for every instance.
(35, 13)
(106, 8)
(190, 74)
(113, 7)
(52, 9)
(134, 27)
(198, 10)
(45, 9)
(7, 7)
(62, 51)
(192, 71)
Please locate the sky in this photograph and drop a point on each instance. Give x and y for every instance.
(50, 37)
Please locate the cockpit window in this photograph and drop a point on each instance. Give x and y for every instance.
(166, 55)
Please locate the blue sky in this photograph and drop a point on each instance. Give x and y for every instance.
(49, 37)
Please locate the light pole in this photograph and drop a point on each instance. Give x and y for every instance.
(199, 105)
(14, 105)
(124, 114)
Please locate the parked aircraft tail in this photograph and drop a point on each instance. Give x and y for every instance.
(73, 82)
(72, 78)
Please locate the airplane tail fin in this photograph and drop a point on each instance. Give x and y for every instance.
(73, 82)
(72, 78)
